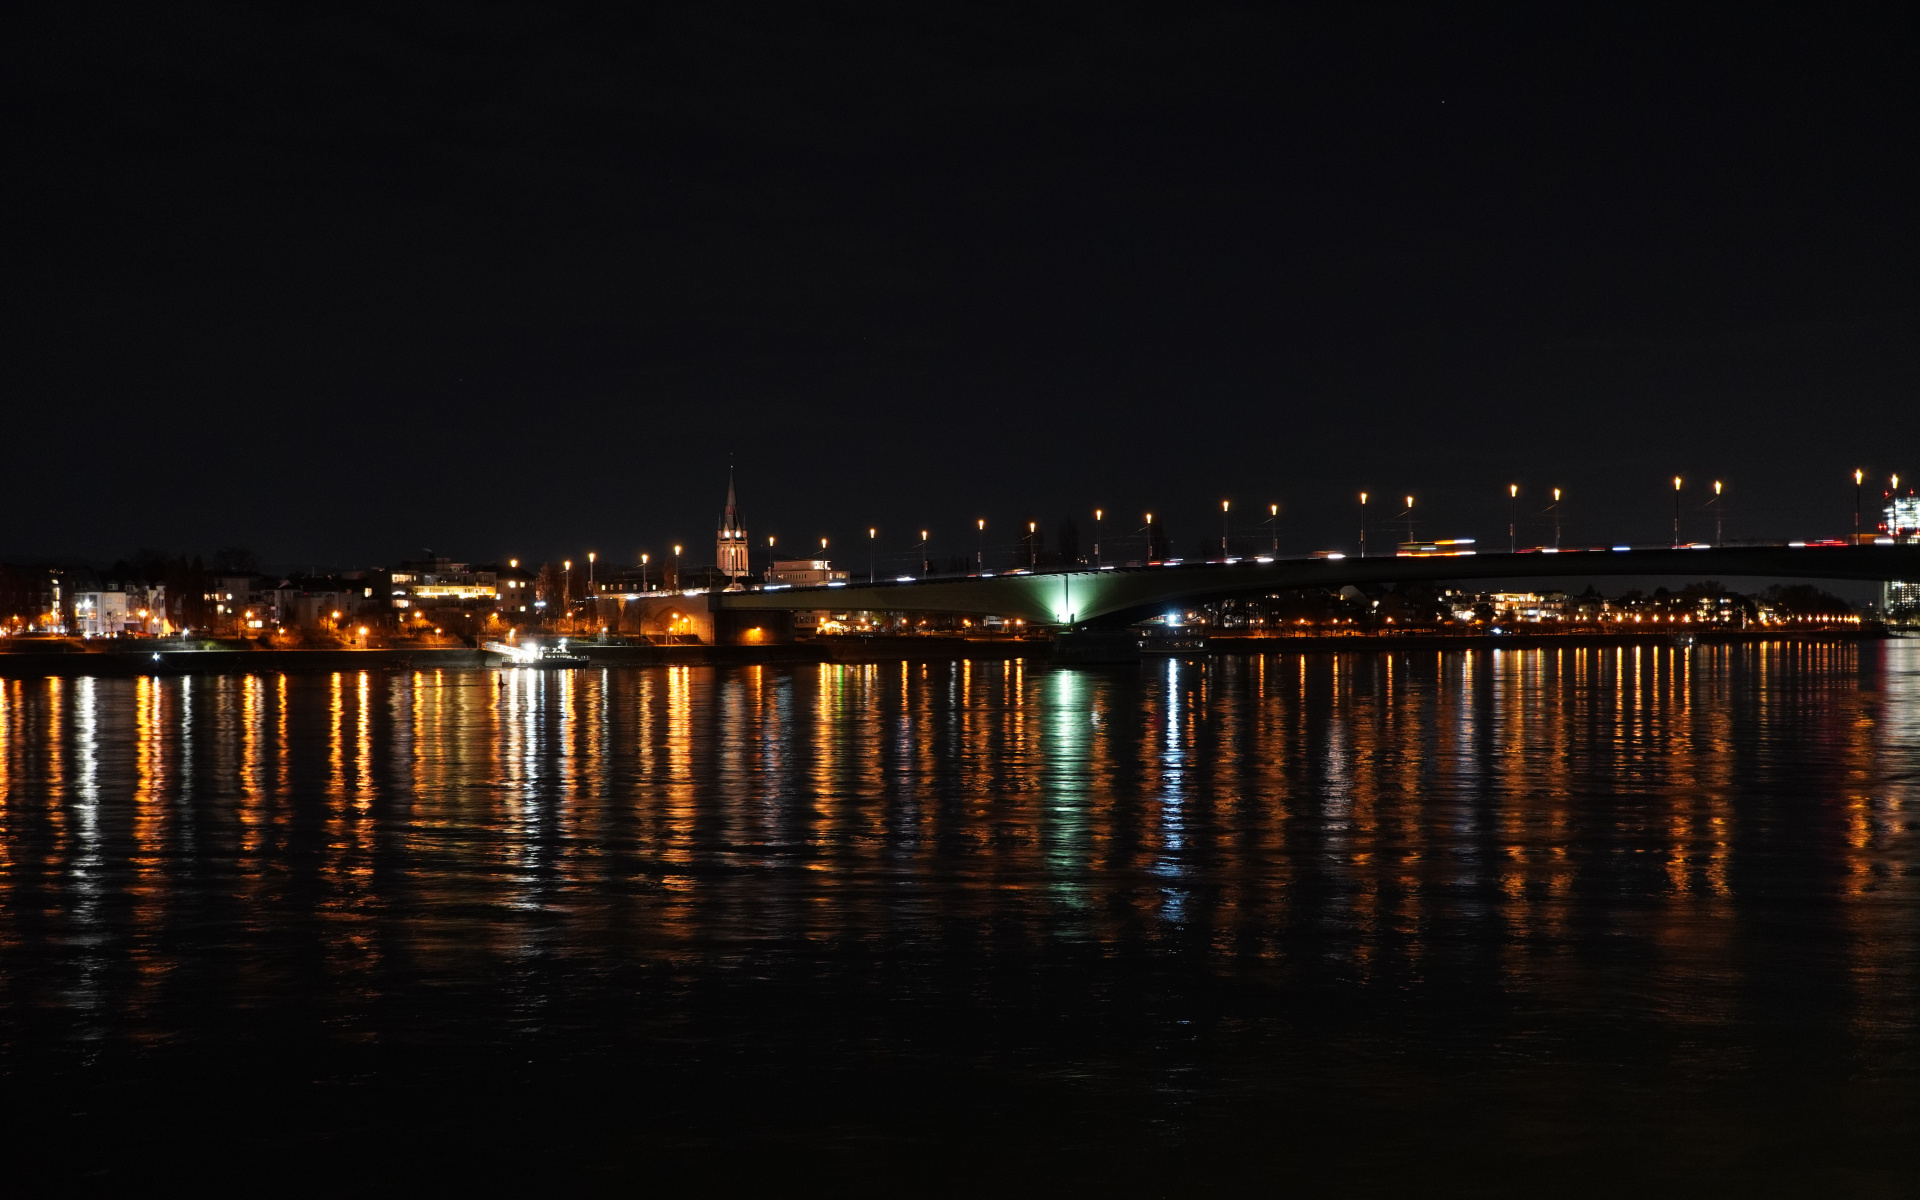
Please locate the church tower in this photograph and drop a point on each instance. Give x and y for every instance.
(730, 548)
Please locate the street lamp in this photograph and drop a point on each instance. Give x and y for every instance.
(1096, 532)
(591, 556)
(1409, 518)
(1225, 550)
(1513, 518)
(1273, 523)
(1363, 524)
(643, 571)
(1556, 518)
(769, 558)
(1033, 545)
(1149, 532)
(1718, 526)
(925, 565)
(1676, 510)
(676, 566)
(980, 547)
(872, 533)
(1857, 477)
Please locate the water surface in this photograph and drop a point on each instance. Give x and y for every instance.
(1473, 923)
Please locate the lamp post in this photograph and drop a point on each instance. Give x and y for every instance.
(566, 591)
(1097, 514)
(676, 566)
(591, 556)
(769, 558)
(1718, 526)
(1676, 510)
(1556, 518)
(1409, 518)
(1513, 518)
(1033, 545)
(643, 574)
(1273, 524)
(925, 565)
(872, 533)
(1857, 477)
(1226, 550)
(1148, 530)
(980, 547)
(1363, 524)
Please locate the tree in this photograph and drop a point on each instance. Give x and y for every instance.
(235, 560)
(1806, 600)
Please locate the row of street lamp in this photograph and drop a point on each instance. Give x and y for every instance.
(1273, 524)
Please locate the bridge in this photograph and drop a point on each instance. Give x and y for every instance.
(1117, 596)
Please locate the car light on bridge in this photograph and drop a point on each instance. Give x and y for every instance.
(1623, 547)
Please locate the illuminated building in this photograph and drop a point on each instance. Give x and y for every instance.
(730, 547)
(1901, 599)
(100, 613)
(804, 572)
(443, 584)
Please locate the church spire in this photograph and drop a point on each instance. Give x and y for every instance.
(731, 545)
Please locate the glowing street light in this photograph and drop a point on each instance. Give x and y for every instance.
(1097, 515)
(1676, 510)
(1225, 551)
(1148, 530)
(1718, 525)
(1556, 518)
(1033, 545)
(980, 546)
(1273, 524)
(1513, 518)
(872, 533)
(1409, 516)
(1363, 524)
(643, 570)
(1857, 477)
(925, 565)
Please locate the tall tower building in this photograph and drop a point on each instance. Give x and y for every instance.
(730, 548)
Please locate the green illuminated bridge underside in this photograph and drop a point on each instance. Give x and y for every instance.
(1123, 595)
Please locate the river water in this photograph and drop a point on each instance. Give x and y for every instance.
(1524, 922)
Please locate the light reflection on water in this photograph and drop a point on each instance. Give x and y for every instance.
(1515, 849)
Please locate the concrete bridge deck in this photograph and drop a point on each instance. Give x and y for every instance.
(1121, 595)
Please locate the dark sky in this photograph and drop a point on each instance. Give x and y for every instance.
(345, 282)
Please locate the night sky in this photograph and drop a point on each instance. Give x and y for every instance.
(343, 283)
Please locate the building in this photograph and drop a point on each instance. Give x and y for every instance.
(115, 609)
(440, 585)
(317, 602)
(100, 612)
(35, 599)
(804, 572)
(730, 547)
(1900, 600)
(239, 603)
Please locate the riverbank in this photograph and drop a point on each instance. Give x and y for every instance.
(75, 658)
